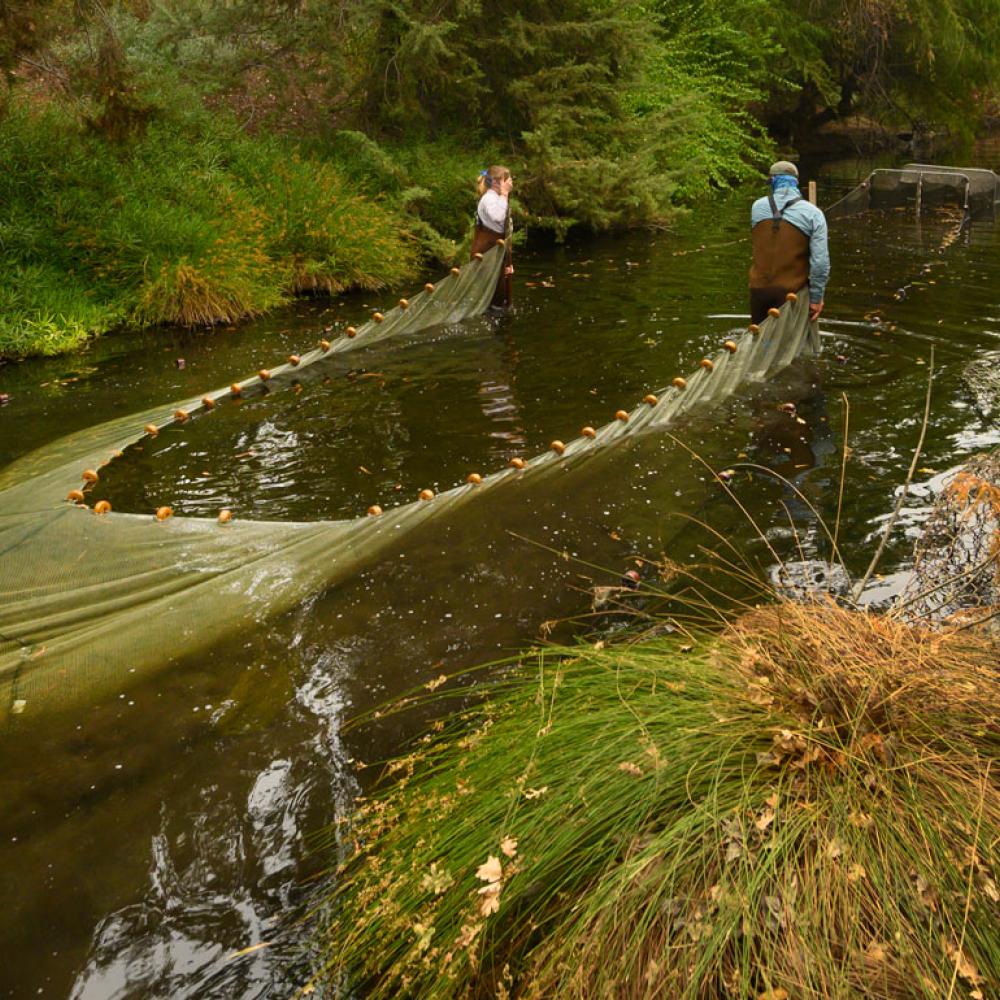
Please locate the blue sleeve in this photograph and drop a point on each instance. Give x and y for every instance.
(819, 258)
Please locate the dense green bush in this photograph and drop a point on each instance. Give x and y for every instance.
(192, 222)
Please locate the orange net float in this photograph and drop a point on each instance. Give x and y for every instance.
(707, 364)
(404, 303)
(75, 496)
(89, 476)
(730, 345)
(374, 510)
(352, 332)
(679, 383)
(650, 398)
(558, 447)
(225, 516)
(517, 463)
(293, 360)
(588, 432)
(236, 389)
(791, 297)
(181, 415)
(163, 513)
(456, 270)
(102, 507)
(324, 346)
(263, 374)
(477, 256)
(152, 430)
(753, 328)
(622, 415)
(501, 242)
(426, 494)
(377, 317)
(774, 311)
(428, 288)
(207, 402)
(474, 479)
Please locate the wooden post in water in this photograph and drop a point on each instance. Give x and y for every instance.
(812, 192)
(920, 192)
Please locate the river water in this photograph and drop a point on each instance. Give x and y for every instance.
(147, 838)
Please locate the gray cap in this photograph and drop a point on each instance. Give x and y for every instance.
(784, 167)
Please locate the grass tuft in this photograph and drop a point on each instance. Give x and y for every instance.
(804, 805)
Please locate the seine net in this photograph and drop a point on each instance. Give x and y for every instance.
(85, 598)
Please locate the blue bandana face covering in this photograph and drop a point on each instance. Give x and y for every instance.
(784, 181)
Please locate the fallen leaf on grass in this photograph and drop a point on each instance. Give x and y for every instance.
(508, 846)
(629, 768)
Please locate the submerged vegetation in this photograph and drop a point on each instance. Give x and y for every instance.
(183, 161)
(805, 805)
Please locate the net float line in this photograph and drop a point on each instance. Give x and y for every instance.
(153, 591)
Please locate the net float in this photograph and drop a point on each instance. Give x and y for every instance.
(293, 359)
(76, 496)
(152, 430)
(324, 346)
(501, 242)
(456, 270)
(474, 478)
(774, 311)
(236, 389)
(517, 463)
(162, 513)
(351, 331)
(558, 447)
(791, 297)
(89, 476)
(426, 494)
(377, 317)
(374, 510)
(477, 256)
(263, 374)
(428, 288)
(622, 415)
(225, 516)
(180, 415)
(404, 303)
(730, 345)
(588, 432)
(706, 364)
(207, 402)
(650, 398)
(679, 383)
(754, 328)
(102, 507)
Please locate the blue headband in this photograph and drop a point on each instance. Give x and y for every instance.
(484, 173)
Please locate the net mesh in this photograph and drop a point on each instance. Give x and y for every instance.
(85, 599)
(922, 185)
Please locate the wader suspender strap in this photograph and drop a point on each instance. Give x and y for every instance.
(777, 213)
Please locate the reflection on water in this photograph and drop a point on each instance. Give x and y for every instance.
(153, 836)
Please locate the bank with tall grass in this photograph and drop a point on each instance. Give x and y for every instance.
(192, 222)
(806, 804)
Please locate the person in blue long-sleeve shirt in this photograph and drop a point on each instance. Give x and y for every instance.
(789, 239)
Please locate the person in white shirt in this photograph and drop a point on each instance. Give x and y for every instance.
(493, 223)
